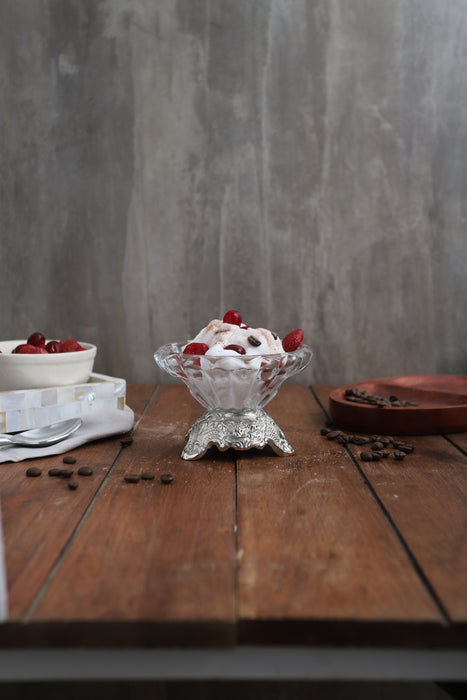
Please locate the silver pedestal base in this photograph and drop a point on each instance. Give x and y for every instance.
(241, 429)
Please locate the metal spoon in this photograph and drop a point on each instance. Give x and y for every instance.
(41, 437)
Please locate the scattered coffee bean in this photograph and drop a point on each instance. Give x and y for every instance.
(333, 434)
(408, 449)
(68, 459)
(85, 471)
(132, 478)
(254, 341)
(33, 471)
(124, 442)
(398, 444)
(393, 398)
(54, 472)
(72, 485)
(167, 478)
(147, 476)
(379, 446)
(66, 473)
(359, 440)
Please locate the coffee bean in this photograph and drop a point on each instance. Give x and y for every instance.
(147, 476)
(167, 478)
(72, 485)
(333, 434)
(377, 456)
(254, 341)
(124, 442)
(399, 455)
(33, 471)
(359, 440)
(325, 431)
(363, 396)
(407, 449)
(366, 456)
(85, 471)
(54, 472)
(131, 478)
(66, 473)
(342, 439)
(377, 446)
(68, 459)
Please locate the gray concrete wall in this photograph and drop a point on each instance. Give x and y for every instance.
(303, 161)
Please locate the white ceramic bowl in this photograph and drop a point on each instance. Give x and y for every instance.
(44, 370)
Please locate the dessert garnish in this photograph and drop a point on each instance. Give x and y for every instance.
(232, 336)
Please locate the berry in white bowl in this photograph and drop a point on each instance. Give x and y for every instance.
(37, 363)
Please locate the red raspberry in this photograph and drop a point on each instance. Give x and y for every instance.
(237, 348)
(196, 349)
(53, 346)
(292, 340)
(70, 345)
(28, 349)
(232, 317)
(36, 339)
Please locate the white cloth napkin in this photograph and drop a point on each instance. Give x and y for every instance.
(96, 424)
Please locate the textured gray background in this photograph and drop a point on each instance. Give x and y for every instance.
(303, 161)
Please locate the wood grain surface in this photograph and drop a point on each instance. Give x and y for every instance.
(240, 547)
(41, 514)
(433, 526)
(313, 543)
(153, 552)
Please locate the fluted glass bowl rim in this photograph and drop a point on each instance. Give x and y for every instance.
(175, 351)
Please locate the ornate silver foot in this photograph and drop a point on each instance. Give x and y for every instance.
(241, 429)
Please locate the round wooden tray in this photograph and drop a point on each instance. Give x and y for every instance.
(441, 405)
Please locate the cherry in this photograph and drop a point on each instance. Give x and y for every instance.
(53, 346)
(36, 339)
(196, 349)
(292, 340)
(28, 349)
(70, 345)
(232, 317)
(237, 348)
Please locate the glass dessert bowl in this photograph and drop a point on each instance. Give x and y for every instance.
(234, 388)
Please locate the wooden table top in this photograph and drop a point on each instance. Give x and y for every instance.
(318, 548)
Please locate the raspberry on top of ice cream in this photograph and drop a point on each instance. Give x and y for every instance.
(232, 337)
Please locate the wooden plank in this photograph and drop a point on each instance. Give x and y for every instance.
(161, 555)
(426, 497)
(40, 514)
(313, 544)
(460, 440)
